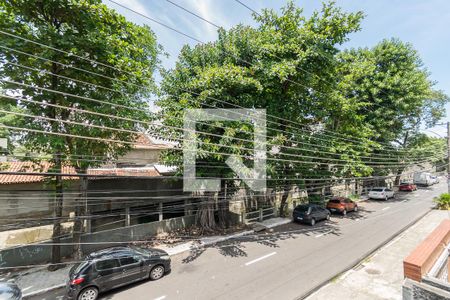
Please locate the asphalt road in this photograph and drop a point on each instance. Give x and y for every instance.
(286, 264)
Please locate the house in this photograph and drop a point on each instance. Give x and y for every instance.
(26, 195)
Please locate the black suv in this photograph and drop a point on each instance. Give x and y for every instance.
(114, 267)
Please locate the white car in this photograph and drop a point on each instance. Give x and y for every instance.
(381, 193)
(435, 179)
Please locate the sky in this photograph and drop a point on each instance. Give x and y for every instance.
(424, 24)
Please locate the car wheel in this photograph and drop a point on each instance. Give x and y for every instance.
(356, 208)
(157, 272)
(344, 212)
(313, 222)
(90, 293)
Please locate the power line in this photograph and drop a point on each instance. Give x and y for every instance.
(238, 58)
(249, 8)
(179, 149)
(154, 124)
(397, 150)
(200, 142)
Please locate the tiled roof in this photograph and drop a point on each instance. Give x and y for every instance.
(145, 142)
(45, 167)
(30, 167)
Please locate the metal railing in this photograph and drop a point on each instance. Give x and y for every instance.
(259, 215)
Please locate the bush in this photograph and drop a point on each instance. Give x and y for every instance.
(354, 197)
(316, 199)
(443, 201)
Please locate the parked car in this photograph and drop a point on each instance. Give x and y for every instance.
(10, 291)
(310, 213)
(423, 178)
(434, 179)
(381, 193)
(341, 205)
(114, 267)
(407, 187)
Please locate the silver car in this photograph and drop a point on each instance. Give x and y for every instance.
(382, 193)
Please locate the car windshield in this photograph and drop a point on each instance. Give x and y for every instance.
(140, 250)
(335, 201)
(377, 190)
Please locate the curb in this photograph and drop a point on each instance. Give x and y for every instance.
(39, 292)
(363, 257)
(203, 242)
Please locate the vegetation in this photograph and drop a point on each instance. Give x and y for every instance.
(443, 201)
(330, 112)
(85, 29)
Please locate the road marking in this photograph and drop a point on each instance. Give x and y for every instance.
(387, 207)
(260, 258)
(160, 298)
(322, 234)
(404, 200)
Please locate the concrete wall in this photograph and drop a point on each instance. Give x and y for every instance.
(32, 201)
(140, 157)
(38, 254)
(413, 290)
(11, 238)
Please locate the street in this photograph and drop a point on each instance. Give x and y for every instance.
(286, 264)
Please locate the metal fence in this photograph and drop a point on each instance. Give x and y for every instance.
(259, 215)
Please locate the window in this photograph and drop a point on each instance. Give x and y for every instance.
(106, 264)
(302, 208)
(128, 260)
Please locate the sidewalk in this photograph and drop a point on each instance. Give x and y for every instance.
(36, 281)
(381, 275)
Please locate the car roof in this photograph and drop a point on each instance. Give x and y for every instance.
(308, 205)
(339, 198)
(110, 253)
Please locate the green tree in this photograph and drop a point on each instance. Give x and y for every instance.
(392, 94)
(88, 29)
(275, 66)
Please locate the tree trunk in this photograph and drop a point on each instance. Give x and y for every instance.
(204, 216)
(80, 212)
(223, 206)
(398, 176)
(57, 215)
(284, 198)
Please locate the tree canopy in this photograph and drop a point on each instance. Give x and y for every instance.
(330, 112)
(75, 75)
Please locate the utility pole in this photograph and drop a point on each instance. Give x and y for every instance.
(448, 156)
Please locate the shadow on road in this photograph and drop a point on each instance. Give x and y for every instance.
(236, 247)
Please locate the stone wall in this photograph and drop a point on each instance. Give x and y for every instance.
(40, 254)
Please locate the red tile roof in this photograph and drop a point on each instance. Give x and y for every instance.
(145, 142)
(30, 167)
(45, 167)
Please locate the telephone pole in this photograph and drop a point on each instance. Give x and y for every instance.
(448, 156)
